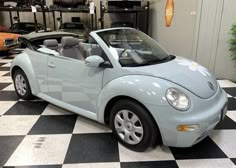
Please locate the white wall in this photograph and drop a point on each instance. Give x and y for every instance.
(224, 66)
(212, 47)
(202, 37)
(179, 38)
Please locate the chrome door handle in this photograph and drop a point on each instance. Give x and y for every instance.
(51, 65)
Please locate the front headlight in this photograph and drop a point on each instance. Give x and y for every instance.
(177, 99)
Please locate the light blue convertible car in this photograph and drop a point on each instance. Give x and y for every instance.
(124, 79)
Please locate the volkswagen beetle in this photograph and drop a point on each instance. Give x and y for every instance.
(124, 79)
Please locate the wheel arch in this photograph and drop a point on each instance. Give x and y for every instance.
(115, 99)
(132, 87)
(14, 69)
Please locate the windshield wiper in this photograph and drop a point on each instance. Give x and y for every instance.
(170, 57)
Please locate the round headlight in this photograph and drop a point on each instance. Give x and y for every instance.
(177, 99)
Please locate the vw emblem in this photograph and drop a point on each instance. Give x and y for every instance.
(211, 85)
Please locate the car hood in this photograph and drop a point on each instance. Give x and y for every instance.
(183, 72)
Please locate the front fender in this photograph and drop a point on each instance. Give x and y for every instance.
(145, 89)
(23, 61)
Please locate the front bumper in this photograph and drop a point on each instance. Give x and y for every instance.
(206, 113)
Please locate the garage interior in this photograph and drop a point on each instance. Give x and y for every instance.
(38, 134)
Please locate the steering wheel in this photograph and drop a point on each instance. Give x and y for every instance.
(123, 52)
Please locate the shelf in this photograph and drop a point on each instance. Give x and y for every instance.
(80, 9)
(125, 10)
(20, 9)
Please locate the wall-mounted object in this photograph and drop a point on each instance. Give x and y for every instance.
(169, 12)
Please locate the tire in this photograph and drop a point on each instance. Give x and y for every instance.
(148, 136)
(19, 77)
(4, 53)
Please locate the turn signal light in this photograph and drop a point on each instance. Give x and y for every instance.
(187, 128)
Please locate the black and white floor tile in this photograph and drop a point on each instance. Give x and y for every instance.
(36, 134)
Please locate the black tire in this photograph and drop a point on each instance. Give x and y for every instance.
(28, 94)
(4, 53)
(151, 135)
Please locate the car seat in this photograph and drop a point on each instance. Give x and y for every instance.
(96, 51)
(51, 44)
(70, 48)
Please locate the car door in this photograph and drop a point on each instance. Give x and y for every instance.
(70, 81)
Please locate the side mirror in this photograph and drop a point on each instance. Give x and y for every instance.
(48, 51)
(94, 61)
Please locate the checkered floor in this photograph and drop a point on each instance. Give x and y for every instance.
(38, 134)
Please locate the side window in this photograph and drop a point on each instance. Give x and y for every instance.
(26, 44)
(95, 49)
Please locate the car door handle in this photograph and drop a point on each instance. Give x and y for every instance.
(51, 65)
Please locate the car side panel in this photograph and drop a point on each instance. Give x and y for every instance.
(73, 82)
(23, 61)
(145, 89)
(39, 62)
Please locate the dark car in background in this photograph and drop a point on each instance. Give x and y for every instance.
(24, 27)
(69, 3)
(76, 27)
(122, 24)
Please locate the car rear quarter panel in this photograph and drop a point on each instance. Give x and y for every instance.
(23, 61)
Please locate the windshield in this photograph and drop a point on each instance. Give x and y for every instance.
(29, 26)
(72, 26)
(131, 47)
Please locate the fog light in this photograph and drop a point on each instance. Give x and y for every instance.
(187, 128)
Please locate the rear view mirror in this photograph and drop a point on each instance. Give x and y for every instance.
(48, 51)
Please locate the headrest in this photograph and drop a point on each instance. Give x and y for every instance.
(68, 42)
(94, 51)
(52, 43)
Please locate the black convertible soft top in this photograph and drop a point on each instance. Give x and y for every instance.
(34, 40)
(45, 35)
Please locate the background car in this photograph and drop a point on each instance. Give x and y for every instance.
(24, 27)
(69, 3)
(122, 24)
(126, 80)
(8, 41)
(77, 28)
